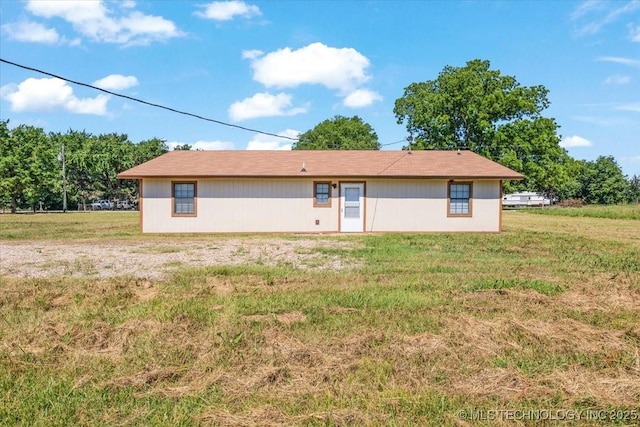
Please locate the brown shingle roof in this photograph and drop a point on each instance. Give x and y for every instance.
(338, 163)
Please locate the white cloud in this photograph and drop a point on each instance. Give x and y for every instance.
(70, 10)
(94, 20)
(584, 8)
(634, 107)
(51, 94)
(32, 32)
(204, 145)
(267, 142)
(617, 79)
(263, 105)
(116, 82)
(575, 141)
(139, 28)
(251, 54)
(631, 159)
(361, 98)
(621, 60)
(227, 10)
(342, 69)
(596, 120)
(595, 15)
(634, 33)
(7, 90)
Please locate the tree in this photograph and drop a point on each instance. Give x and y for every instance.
(633, 189)
(29, 171)
(603, 181)
(149, 149)
(532, 148)
(77, 160)
(8, 163)
(110, 154)
(476, 108)
(31, 168)
(93, 162)
(339, 133)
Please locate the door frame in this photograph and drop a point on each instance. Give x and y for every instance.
(363, 205)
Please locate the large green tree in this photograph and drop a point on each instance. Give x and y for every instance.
(29, 169)
(339, 133)
(477, 108)
(110, 154)
(149, 149)
(603, 182)
(633, 189)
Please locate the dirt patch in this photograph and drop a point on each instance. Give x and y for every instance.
(157, 260)
(615, 386)
(284, 318)
(145, 290)
(290, 318)
(619, 295)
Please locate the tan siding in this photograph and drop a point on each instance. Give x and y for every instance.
(240, 205)
(421, 205)
(486, 211)
(286, 205)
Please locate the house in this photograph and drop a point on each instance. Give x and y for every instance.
(320, 191)
(525, 198)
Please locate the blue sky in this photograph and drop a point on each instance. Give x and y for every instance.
(284, 66)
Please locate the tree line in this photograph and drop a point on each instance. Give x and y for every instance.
(31, 166)
(471, 107)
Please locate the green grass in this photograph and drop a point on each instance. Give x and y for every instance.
(629, 211)
(544, 316)
(69, 226)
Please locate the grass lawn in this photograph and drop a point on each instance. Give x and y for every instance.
(542, 320)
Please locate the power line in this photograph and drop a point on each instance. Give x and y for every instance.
(406, 153)
(146, 102)
(141, 101)
(393, 143)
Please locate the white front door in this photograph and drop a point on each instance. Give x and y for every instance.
(352, 207)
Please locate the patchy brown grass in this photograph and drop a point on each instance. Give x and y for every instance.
(425, 327)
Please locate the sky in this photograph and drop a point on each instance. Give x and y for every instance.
(281, 67)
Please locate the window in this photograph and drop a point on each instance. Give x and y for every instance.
(322, 194)
(460, 198)
(184, 198)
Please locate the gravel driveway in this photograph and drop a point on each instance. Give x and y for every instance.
(158, 259)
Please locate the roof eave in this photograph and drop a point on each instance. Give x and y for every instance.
(486, 177)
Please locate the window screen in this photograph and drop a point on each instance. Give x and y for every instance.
(184, 195)
(322, 194)
(459, 199)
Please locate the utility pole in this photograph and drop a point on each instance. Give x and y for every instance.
(64, 181)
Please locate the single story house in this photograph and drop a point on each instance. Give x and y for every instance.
(307, 191)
